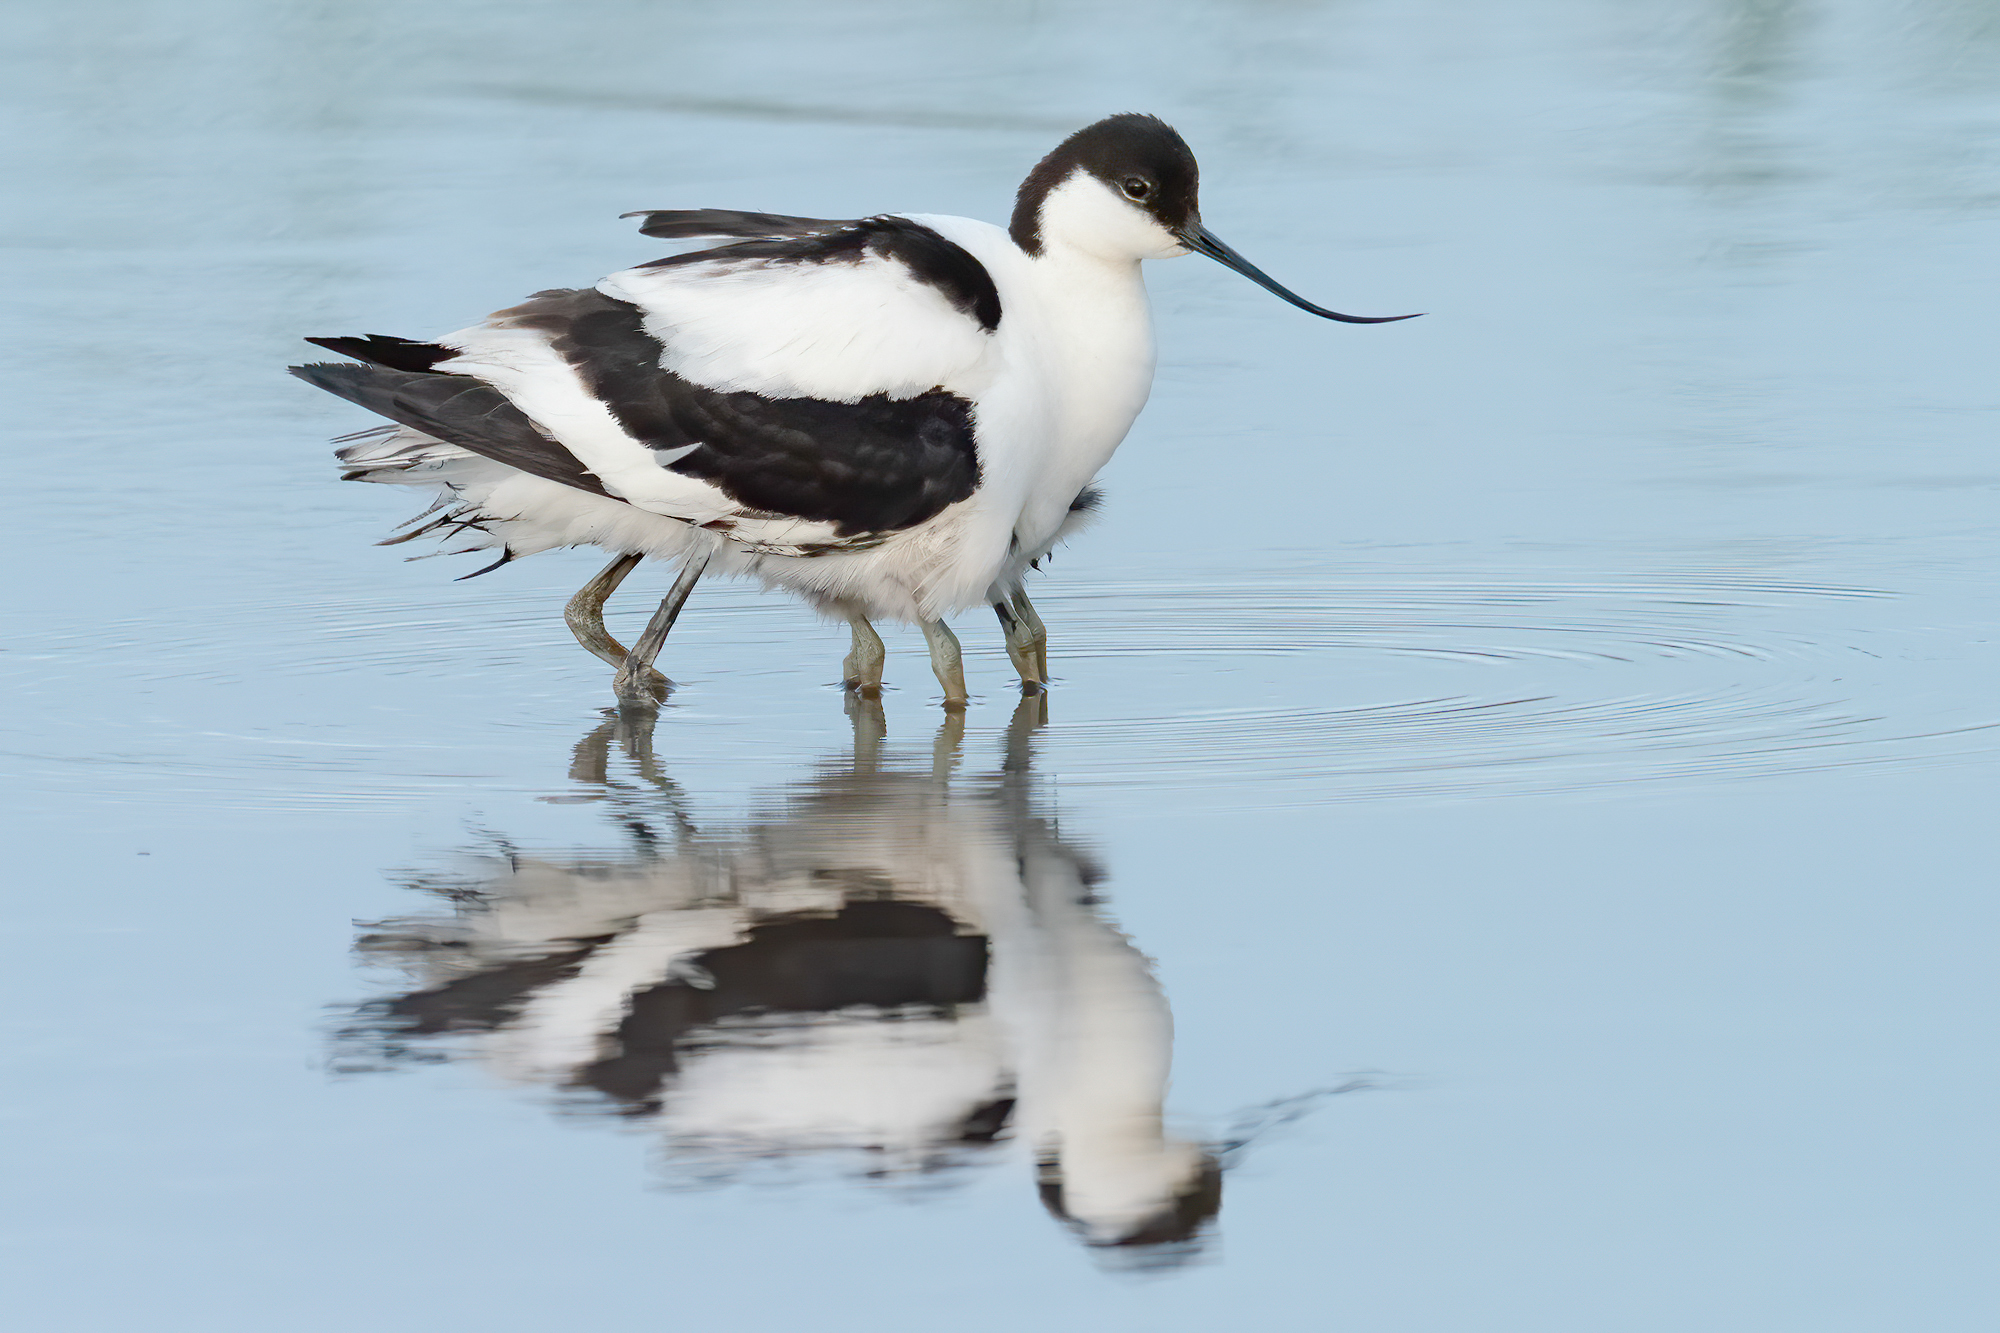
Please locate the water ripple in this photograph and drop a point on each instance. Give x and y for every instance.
(1294, 688)
(1566, 685)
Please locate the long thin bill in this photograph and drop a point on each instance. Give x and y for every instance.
(1204, 242)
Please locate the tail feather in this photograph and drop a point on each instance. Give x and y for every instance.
(684, 223)
(457, 409)
(386, 350)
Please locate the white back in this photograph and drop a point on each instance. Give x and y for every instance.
(839, 331)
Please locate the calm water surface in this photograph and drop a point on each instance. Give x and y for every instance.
(1510, 847)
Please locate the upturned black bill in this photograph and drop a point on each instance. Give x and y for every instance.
(1203, 242)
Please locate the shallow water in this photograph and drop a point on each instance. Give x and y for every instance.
(1509, 846)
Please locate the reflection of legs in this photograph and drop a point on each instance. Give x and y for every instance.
(946, 661)
(869, 729)
(946, 745)
(585, 612)
(863, 668)
(632, 682)
(590, 762)
(1031, 714)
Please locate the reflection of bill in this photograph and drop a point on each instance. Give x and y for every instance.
(896, 966)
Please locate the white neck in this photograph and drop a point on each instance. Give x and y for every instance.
(1083, 216)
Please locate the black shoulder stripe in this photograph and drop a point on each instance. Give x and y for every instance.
(384, 350)
(457, 409)
(877, 465)
(687, 223)
(945, 265)
(929, 257)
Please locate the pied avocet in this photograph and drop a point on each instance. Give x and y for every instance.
(894, 417)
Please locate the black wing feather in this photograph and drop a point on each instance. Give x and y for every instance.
(680, 224)
(924, 254)
(877, 465)
(457, 409)
(382, 349)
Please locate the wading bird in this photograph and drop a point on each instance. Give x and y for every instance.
(894, 417)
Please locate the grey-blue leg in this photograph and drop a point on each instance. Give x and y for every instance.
(585, 617)
(634, 681)
(1027, 640)
(585, 612)
(947, 661)
(862, 671)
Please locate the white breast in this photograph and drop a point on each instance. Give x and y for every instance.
(1075, 345)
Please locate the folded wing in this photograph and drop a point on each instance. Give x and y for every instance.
(799, 392)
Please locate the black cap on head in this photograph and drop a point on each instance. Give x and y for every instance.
(1143, 160)
(1138, 157)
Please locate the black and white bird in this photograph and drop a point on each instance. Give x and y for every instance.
(895, 417)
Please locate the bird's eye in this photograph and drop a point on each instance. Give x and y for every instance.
(1137, 187)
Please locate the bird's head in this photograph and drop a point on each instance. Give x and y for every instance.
(1128, 188)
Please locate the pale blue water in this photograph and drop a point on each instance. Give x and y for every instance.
(1568, 717)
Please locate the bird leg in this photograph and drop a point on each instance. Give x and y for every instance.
(635, 681)
(1039, 632)
(1027, 640)
(1019, 650)
(862, 671)
(946, 661)
(585, 615)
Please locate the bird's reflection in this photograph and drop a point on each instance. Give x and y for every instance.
(898, 966)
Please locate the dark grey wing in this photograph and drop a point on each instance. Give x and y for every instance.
(690, 223)
(387, 350)
(875, 465)
(457, 409)
(878, 457)
(924, 255)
